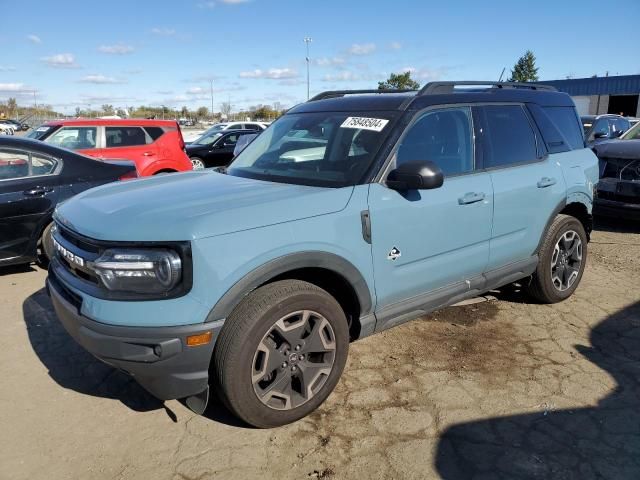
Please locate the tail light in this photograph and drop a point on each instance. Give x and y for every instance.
(182, 145)
(132, 175)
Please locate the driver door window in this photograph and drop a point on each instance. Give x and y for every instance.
(442, 136)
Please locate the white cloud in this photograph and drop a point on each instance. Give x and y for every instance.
(118, 49)
(345, 76)
(272, 73)
(12, 87)
(7, 68)
(61, 60)
(362, 48)
(395, 45)
(328, 62)
(197, 91)
(34, 39)
(166, 32)
(100, 80)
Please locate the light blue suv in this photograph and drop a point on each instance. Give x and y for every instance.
(352, 213)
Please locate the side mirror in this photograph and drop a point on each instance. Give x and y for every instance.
(415, 175)
(601, 135)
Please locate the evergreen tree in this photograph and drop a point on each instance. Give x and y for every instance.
(399, 81)
(525, 69)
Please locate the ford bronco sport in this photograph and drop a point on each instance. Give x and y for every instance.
(352, 213)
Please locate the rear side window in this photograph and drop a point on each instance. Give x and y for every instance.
(566, 121)
(126, 137)
(442, 136)
(509, 136)
(154, 132)
(19, 164)
(236, 126)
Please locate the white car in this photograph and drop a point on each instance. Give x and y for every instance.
(6, 129)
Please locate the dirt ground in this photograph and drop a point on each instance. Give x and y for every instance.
(503, 388)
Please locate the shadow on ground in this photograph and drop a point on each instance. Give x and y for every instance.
(600, 442)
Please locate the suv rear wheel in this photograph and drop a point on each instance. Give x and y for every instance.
(562, 258)
(281, 353)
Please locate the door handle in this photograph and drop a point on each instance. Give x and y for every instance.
(471, 197)
(148, 154)
(545, 182)
(37, 191)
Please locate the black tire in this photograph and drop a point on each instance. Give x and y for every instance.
(245, 330)
(542, 286)
(46, 242)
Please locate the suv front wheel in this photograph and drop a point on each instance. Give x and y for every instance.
(562, 258)
(281, 353)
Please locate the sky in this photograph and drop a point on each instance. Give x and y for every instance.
(124, 52)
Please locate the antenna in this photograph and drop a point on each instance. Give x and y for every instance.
(503, 69)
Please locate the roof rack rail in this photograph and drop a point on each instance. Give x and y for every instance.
(433, 88)
(342, 93)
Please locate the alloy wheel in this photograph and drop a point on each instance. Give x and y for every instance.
(566, 260)
(293, 360)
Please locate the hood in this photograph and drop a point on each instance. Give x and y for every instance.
(191, 205)
(624, 149)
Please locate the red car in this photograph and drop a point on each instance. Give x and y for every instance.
(156, 146)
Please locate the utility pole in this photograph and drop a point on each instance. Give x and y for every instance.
(307, 41)
(211, 84)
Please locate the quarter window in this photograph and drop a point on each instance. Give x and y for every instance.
(74, 138)
(443, 137)
(126, 137)
(566, 121)
(509, 136)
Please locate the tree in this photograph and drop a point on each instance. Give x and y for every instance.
(78, 112)
(525, 69)
(225, 109)
(12, 106)
(107, 109)
(399, 81)
(184, 111)
(202, 112)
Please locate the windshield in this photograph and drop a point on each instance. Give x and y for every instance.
(328, 149)
(632, 134)
(208, 138)
(41, 131)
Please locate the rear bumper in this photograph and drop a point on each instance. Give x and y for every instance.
(616, 209)
(157, 357)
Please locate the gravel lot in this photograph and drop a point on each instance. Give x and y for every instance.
(496, 389)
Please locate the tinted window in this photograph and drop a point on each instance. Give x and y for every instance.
(20, 164)
(74, 138)
(509, 136)
(441, 136)
(125, 137)
(619, 126)
(231, 139)
(566, 121)
(235, 125)
(601, 127)
(154, 132)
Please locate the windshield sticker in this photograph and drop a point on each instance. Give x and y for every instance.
(42, 129)
(363, 123)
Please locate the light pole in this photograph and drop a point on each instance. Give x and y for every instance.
(307, 41)
(211, 85)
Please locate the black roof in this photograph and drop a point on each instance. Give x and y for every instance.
(435, 93)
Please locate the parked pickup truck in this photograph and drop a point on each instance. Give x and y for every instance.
(252, 281)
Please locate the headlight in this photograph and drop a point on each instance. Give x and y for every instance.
(139, 270)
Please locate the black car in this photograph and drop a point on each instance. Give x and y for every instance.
(618, 192)
(599, 128)
(215, 149)
(34, 178)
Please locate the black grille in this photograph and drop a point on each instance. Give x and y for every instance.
(77, 240)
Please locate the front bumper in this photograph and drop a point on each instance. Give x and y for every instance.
(157, 357)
